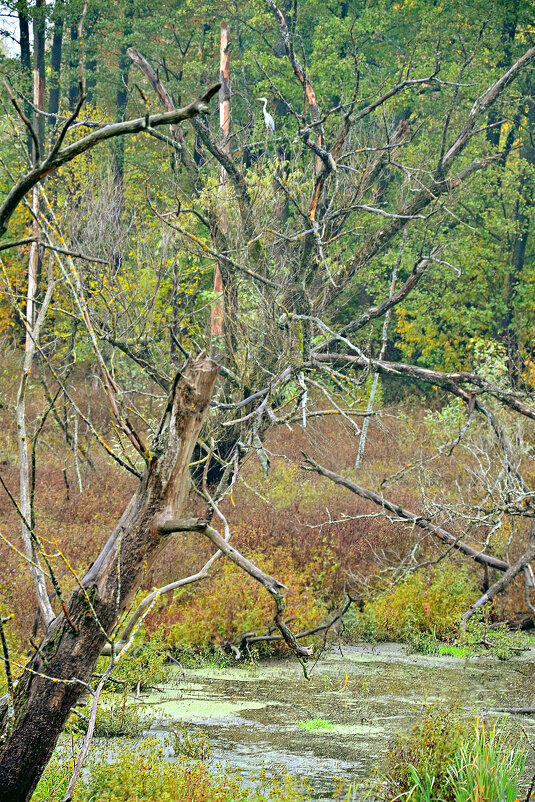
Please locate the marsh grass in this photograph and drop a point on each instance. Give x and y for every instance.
(489, 767)
(445, 758)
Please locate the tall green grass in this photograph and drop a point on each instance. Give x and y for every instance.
(445, 760)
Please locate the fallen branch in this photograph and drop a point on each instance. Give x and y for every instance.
(410, 517)
(502, 583)
(247, 639)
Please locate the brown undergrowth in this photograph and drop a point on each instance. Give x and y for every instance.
(310, 534)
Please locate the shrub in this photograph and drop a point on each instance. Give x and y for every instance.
(418, 604)
(143, 666)
(232, 604)
(427, 751)
(116, 718)
(495, 639)
(145, 776)
(446, 759)
(192, 743)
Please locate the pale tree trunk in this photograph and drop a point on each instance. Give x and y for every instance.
(217, 312)
(33, 331)
(39, 69)
(33, 271)
(59, 671)
(34, 323)
(37, 152)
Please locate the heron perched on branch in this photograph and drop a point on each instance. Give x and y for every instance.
(268, 119)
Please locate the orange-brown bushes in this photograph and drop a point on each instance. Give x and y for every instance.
(297, 525)
(231, 603)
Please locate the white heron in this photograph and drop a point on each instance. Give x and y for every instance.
(268, 119)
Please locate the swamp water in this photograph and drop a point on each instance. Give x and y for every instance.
(251, 714)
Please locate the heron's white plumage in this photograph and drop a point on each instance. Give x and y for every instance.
(268, 119)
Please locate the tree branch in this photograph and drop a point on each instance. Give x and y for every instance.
(272, 585)
(410, 517)
(55, 160)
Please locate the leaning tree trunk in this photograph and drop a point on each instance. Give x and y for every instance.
(58, 672)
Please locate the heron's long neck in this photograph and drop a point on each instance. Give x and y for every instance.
(265, 106)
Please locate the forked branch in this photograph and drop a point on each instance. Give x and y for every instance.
(272, 585)
(56, 159)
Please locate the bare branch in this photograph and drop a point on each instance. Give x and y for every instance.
(129, 127)
(410, 517)
(482, 104)
(272, 585)
(448, 381)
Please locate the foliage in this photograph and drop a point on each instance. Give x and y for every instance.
(482, 636)
(424, 610)
(192, 743)
(151, 245)
(419, 604)
(55, 779)
(145, 776)
(316, 724)
(428, 749)
(144, 665)
(116, 718)
(233, 603)
(446, 759)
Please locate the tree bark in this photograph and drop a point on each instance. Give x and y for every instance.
(25, 58)
(39, 72)
(74, 89)
(59, 671)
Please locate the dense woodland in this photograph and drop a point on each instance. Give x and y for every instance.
(267, 303)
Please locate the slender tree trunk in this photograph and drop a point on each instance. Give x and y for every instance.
(25, 58)
(507, 37)
(523, 220)
(55, 61)
(121, 100)
(37, 149)
(59, 671)
(91, 66)
(73, 68)
(217, 312)
(24, 32)
(39, 68)
(25, 503)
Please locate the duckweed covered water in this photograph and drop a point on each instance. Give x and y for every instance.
(251, 714)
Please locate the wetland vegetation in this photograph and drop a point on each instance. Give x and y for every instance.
(267, 393)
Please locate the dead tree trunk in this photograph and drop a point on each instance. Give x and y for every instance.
(59, 671)
(217, 314)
